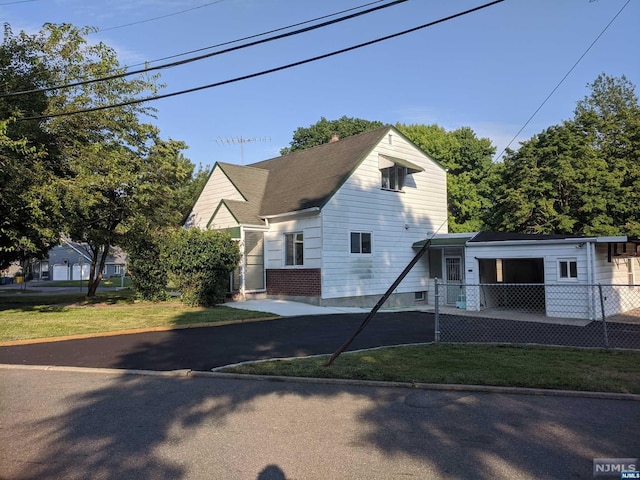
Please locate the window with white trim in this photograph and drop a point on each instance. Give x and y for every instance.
(393, 177)
(117, 269)
(294, 246)
(360, 242)
(567, 269)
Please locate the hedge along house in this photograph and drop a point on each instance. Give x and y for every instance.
(330, 225)
(554, 275)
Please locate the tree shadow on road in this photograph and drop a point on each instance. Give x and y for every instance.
(132, 426)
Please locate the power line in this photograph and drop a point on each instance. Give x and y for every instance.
(253, 36)
(158, 18)
(18, 1)
(562, 80)
(265, 72)
(208, 55)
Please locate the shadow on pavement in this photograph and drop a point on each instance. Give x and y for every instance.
(123, 428)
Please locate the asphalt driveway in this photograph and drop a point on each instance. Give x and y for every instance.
(208, 347)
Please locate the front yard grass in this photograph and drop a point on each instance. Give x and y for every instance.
(472, 364)
(25, 317)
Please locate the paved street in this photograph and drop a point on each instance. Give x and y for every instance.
(77, 425)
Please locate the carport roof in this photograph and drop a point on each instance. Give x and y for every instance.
(509, 237)
(446, 240)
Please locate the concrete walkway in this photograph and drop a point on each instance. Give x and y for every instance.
(287, 308)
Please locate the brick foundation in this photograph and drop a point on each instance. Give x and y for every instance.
(305, 282)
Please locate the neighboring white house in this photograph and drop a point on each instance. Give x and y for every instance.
(333, 224)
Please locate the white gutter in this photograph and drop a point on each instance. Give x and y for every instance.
(293, 213)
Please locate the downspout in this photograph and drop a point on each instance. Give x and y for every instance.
(243, 262)
(591, 279)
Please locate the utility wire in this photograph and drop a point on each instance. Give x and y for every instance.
(207, 55)
(265, 72)
(252, 36)
(561, 81)
(158, 18)
(19, 1)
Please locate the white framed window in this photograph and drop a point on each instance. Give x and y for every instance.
(118, 269)
(393, 177)
(360, 242)
(568, 269)
(294, 247)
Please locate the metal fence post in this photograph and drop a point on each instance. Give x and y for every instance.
(604, 320)
(437, 312)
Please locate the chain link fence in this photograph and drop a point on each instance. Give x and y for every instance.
(599, 316)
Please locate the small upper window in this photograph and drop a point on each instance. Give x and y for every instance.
(360, 242)
(568, 269)
(393, 177)
(294, 247)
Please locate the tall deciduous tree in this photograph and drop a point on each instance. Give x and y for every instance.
(322, 131)
(119, 175)
(580, 177)
(30, 219)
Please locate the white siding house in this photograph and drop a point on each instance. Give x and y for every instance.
(339, 220)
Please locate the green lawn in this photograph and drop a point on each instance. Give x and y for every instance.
(514, 366)
(41, 316)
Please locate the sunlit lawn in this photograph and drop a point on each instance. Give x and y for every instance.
(40, 316)
(499, 365)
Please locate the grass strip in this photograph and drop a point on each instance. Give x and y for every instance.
(497, 365)
(24, 317)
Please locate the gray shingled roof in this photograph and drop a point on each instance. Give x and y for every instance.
(246, 213)
(308, 178)
(297, 181)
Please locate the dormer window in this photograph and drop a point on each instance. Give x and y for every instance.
(393, 177)
(394, 172)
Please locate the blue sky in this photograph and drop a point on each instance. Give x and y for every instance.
(489, 70)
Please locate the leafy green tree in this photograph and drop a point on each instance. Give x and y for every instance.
(580, 177)
(30, 217)
(471, 173)
(199, 263)
(322, 131)
(119, 176)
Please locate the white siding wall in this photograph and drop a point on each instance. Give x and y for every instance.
(218, 187)
(223, 219)
(620, 297)
(395, 219)
(310, 226)
(581, 301)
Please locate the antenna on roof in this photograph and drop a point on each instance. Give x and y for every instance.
(241, 141)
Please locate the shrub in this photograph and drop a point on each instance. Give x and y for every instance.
(148, 273)
(199, 263)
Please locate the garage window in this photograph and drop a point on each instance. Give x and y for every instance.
(568, 269)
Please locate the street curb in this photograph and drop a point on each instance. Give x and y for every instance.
(337, 381)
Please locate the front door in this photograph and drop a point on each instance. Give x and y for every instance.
(453, 279)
